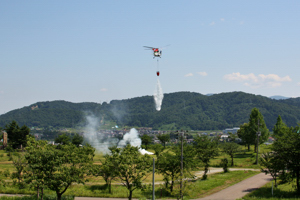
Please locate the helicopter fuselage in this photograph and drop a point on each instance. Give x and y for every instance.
(157, 53)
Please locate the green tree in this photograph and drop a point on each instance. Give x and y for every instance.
(271, 163)
(16, 135)
(146, 140)
(206, 148)
(248, 132)
(169, 164)
(77, 140)
(63, 139)
(158, 150)
(107, 170)
(131, 167)
(255, 118)
(58, 168)
(280, 128)
(39, 156)
(230, 148)
(164, 138)
(287, 148)
(20, 164)
(245, 135)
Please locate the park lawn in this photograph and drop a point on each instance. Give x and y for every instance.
(283, 191)
(242, 159)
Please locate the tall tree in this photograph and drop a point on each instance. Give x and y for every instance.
(206, 148)
(248, 132)
(287, 148)
(245, 135)
(164, 138)
(16, 135)
(146, 140)
(131, 167)
(280, 128)
(257, 123)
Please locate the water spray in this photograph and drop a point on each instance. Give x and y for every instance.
(158, 95)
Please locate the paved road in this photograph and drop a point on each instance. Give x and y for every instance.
(240, 189)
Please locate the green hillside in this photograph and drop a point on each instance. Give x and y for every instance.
(181, 109)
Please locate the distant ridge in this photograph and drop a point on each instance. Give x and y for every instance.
(180, 110)
(278, 97)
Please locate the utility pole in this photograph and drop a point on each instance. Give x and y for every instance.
(181, 167)
(258, 134)
(153, 181)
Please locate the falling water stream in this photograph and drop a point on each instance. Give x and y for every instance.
(158, 95)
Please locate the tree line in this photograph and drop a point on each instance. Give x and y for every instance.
(180, 110)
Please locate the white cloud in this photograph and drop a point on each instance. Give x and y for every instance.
(222, 19)
(103, 89)
(202, 73)
(212, 23)
(189, 74)
(261, 80)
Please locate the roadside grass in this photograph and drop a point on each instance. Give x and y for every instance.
(34, 197)
(283, 191)
(217, 182)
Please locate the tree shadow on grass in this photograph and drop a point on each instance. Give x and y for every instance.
(241, 155)
(97, 187)
(266, 192)
(160, 192)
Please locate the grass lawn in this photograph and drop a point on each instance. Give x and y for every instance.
(283, 191)
(243, 159)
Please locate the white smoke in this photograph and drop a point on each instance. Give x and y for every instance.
(102, 143)
(133, 139)
(95, 137)
(158, 96)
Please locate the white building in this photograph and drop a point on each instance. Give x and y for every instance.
(231, 130)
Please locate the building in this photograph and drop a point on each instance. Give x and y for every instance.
(231, 130)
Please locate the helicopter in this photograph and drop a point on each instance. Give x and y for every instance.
(156, 51)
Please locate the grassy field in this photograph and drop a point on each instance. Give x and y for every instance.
(196, 189)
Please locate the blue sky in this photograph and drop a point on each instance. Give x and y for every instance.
(92, 51)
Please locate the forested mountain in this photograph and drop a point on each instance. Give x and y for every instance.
(180, 110)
